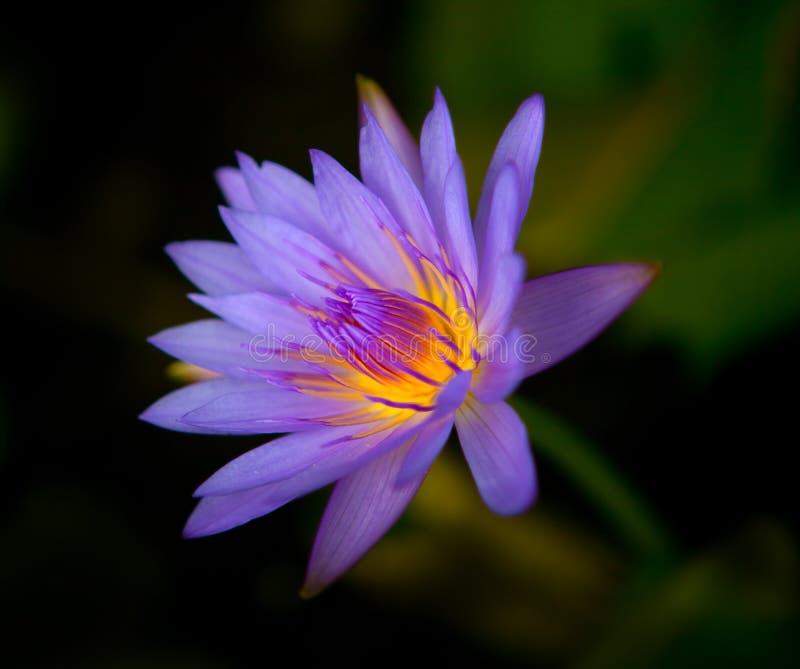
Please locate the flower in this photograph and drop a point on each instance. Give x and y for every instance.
(365, 319)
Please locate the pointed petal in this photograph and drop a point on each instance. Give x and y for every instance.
(502, 296)
(360, 222)
(495, 443)
(361, 509)
(402, 140)
(520, 144)
(285, 255)
(446, 189)
(168, 411)
(562, 312)
(459, 237)
(425, 449)
(501, 235)
(384, 174)
(278, 318)
(234, 187)
(266, 410)
(217, 268)
(279, 192)
(220, 347)
(218, 514)
(317, 453)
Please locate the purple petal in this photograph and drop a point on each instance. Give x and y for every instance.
(446, 189)
(217, 268)
(285, 255)
(220, 347)
(502, 296)
(385, 175)
(279, 192)
(425, 449)
(360, 222)
(562, 312)
(265, 410)
(338, 449)
(454, 393)
(500, 235)
(361, 509)
(459, 237)
(217, 514)
(271, 315)
(520, 145)
(501, 369)
(372, 95)
(168, 411)
(234, 187)
(495, 443)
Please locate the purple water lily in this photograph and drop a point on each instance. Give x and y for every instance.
(366, 318)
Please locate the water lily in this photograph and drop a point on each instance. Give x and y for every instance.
(366, 318)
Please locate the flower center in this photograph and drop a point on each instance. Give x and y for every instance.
(396, 349)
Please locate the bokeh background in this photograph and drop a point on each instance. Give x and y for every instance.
(666, 534)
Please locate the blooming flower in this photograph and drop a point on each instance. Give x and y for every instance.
(366, 318)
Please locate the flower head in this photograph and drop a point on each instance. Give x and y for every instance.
(365, 319)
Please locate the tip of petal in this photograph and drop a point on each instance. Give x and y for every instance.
(149, 416)
(368, 89)
(176, 250)
(653, 268)
(643, 273)
(244, 160)
(535, 103)
(195, 530)
(310, 591)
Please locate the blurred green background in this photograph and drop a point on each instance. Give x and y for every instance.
(666, 534)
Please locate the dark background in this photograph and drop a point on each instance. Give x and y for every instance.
(667, 530)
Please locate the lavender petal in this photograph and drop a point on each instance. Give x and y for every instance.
(217, 268)
(404, 144)
(562, 312)
(495, 443)
(361, 509)
(520, 145)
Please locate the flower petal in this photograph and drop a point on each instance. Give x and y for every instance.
(361, 509)
(279, 192)
(276, 317)
(520, 145)
(217, 268)
(495, 443)
(266, 410)
(384, 174)
(404, 144)
(360, 221)
(446, 189)
(500, 235)
(168, 411)
(219, 513)
(566, 310)
(220, 347)
(502, 295)
(317, 453)
(286, 256)
(234, 187)
(501, 369)
(425, 449)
